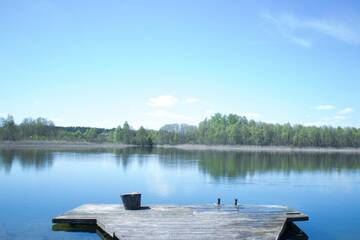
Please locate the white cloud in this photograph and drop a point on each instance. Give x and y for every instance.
(336, 30)
(210, 112)
(162, 101)
(317, 123)
(339, 117)
(160, 117)
(251, 114)
(165, 115)
(287, 33)
(191, 100)
(328, 121)
(325, 107)
(299, 41)
(345, 111)
(58, 121)
(289, 25)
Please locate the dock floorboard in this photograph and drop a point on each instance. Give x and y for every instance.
(266, 222)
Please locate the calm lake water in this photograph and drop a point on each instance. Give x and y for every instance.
(39, 184)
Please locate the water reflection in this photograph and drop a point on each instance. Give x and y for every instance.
(213, 163)
(27, 158)
(57, 180)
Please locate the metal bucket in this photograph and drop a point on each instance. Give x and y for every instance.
(131, 201)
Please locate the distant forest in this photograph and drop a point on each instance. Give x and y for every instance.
(219, 129)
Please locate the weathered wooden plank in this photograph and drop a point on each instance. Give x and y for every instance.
(185, 222)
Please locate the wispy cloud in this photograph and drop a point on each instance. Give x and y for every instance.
(299, 41)
(327, 121)
(191, 100)
(317, 123)
(210, 112)
(287, 32)
(57, 121)
(291, 27)
(251, 114)
(162, 101)
(345, 111)
(165, 115)
(336, 30)
(339, 117)
(325, 107)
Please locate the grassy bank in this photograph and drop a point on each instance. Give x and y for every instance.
(189, 147)
(61, 145)
(243, 148)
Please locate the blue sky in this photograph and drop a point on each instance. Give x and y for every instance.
(99, 63)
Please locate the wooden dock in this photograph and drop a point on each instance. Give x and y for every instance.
(265, 222)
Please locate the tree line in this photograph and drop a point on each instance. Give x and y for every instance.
(219, 129)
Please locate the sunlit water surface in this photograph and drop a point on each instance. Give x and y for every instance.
(39, 184)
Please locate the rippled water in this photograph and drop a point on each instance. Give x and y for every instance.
(39, 184)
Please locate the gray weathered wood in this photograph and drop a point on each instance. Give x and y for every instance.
(186, 222)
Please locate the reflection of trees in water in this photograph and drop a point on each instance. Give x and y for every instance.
(241, 164)
(41, 158)
(217, 164)
(6, 159)
(171, 158)
(224, 164)
(27, 158)
(126, 156)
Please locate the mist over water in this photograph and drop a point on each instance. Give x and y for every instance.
(38, 184)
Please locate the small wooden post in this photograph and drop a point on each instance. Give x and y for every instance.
(236, 202)
(218, 201)
(131, 201)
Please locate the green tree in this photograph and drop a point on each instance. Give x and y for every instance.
(90, 135)
(142, 137)
(117, 135)
(127, 134)
(9, 129)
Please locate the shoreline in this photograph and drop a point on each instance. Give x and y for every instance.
(252, 148)
(186, 147)
(61, 145)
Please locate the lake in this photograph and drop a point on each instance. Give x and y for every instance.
(38, 184)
